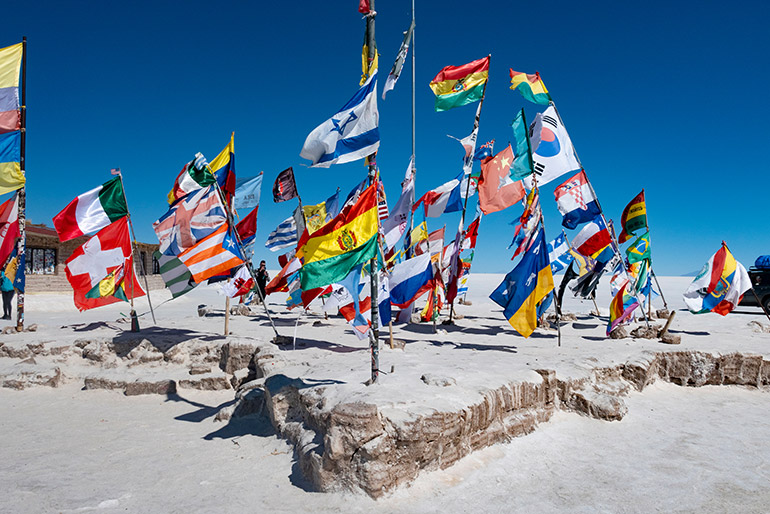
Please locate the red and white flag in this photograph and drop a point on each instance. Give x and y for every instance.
(445, 198)
(241, 283)
(92, 211)
(9, 227)
(212, 255)
(90, 263)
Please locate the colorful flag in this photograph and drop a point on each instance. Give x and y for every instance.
(352, 282)
(484, 151)
(247, 192)
(17, 267)
(395, 72)
(528, 225)
(382, 201)
(346, 241)
(445, 198)
(223, 169)
(369, 66)
(112, 285)
(497, 191)
(281, 281)
(522, 164)
(639, 249)
(526, 286)
(175, 275)
(247, 227)
(11, 176)
(471, 233)
(10, 66)
(593, 238)
(188, 221)
(552, 151)
(432, 244)
(634, 217)
(92, 211)
(9, 227)
(285, 188)
(719, 286)
(213, 255)
(350, 134)
(194, 176)
(102, 254)
(558, 253)
(621, 308)
(315, 216)
(394, 226)
(410, 279)
(530, 86)
(576, 201)
(455, 86)
(241, 283)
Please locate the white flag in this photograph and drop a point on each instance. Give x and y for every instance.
(552, 152)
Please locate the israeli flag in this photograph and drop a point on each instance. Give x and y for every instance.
(351, 134)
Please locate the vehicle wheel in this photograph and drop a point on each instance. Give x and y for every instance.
(766, 303)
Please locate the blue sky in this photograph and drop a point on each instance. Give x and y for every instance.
(664, 96)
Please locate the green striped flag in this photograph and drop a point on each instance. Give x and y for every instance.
(175, 274)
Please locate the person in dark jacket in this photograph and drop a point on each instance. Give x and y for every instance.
(262, 278)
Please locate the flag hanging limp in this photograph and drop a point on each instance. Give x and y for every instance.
(350, 134)
(455, 86)
(395, 72)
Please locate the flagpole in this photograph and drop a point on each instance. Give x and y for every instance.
(374, 333)
(613, 239)
(649, 241)
(22, 203)
(468, 182)
(133, 252)
(414, 146)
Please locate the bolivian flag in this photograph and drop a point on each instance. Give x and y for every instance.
(455, 86)
(526, 286)
(111, 285)
(336, 248)
(530, 86)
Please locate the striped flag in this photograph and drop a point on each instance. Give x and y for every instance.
(189, 220)
(175, 275)
(212, 255)
(284, 235)
(382, 202)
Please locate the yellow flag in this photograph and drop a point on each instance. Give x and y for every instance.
(315, 216)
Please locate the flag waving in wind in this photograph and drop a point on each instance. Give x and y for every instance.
(719, 286)
(455, 86)
(552, 152)
(395, 72)
(576, 201)
(350, 134)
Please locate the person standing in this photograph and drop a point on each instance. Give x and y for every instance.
(6, 286)
(262, 278)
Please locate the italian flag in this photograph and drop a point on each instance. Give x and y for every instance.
(92, 211)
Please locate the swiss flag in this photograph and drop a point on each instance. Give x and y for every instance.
(97, 258)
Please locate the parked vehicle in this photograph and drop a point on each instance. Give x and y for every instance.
(760, 281)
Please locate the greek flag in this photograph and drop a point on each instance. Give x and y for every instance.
(351, 134)
(284, 235)
(558, 253)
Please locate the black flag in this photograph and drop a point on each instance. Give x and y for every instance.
(285, 188)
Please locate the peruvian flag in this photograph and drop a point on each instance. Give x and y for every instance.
(97, 258)
(92, 211)
(9, 227)
(593, 238)
(445, 198)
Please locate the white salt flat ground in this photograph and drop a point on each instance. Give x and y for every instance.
(677, 450)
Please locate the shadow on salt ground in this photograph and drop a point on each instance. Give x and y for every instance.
(584, 326)
(304, 343)
(82, 327)
(204, 411)
(162, 338)
(253, 424)
(595, 338)
(690, 332)
(478, 347)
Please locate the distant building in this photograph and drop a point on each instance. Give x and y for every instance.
(46, 255)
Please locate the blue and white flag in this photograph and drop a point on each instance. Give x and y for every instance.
(247, 192)
(284, 235)
(558, 253)
(410, 279)
(351, 134)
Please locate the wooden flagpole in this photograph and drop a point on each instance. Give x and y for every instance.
(22, 204)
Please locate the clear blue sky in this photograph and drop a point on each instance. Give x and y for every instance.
(664, 96)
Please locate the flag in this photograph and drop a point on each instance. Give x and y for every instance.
(496, 189)
(363, 6)
(558, 253)
(241, 283)
(284, 235)
(410, 279)
(634, 217)
(639, 249)
(212, 255)
(16, 267)
(350, 134)
(112, 285)
(593, 238)
(223, 169)
(92, 211)
(247, 192)
(445, 198)
(522, 163)
(432, 244)
(528, 225)
(369, 66)
(281, 281)
(346, 241)
(453, 266)
(285, 188)
(552, 152)
(352, 282)
(621, 308)
(189, 220)
(383, 298)
(315, 216)
(395, 72)
(95, 259)
(469, 241)
(463, 289)
(355, 193)
(455, 86)
(484, 151)
(10, 66)
(247, 227)
(382, 201)
(524, 287)
(11, 176)
(194, 176)
(576, 201)
(530, 86)
(175, 275)
(9, 227)
(333, 205)
(719, 286)
(395, 224)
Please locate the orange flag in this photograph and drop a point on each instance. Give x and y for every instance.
(497, 191)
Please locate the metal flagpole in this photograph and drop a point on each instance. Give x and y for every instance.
(133, 253)
(649, 240)
(22, 212)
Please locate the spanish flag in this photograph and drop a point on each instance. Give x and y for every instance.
(455, 86)
(526, 286)
(337, 247)
(530, 86)
(634, 217)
